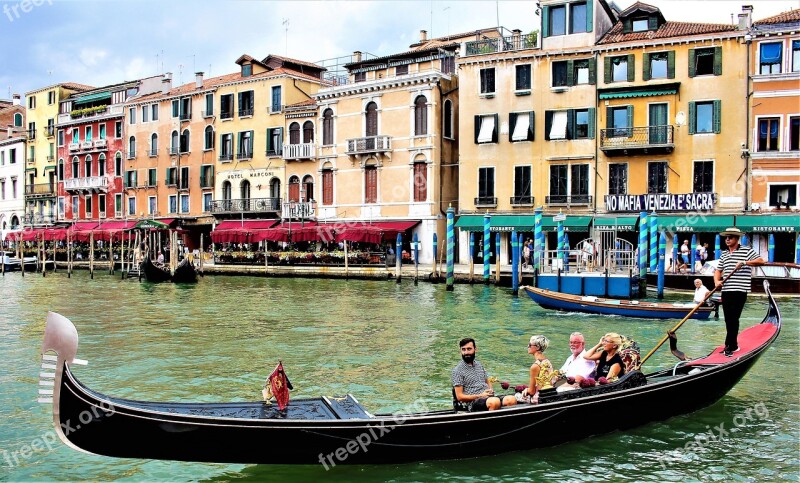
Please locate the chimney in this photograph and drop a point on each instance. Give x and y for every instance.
(10, 132)
(15, 100)
(515, 36)
(198, 79)
(357, 56)
(746, 17)
(166, 83)
(423, 35)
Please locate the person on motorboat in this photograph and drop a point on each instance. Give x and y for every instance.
(576, 366)
(606, 353)
(700, 291)
(471, 385)
(542, 371)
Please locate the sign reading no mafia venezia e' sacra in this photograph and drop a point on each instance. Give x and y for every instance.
(662, 202)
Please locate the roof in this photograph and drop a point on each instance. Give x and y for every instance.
(639, 6)
(289, 60)
(406, 54)
(248, 58)
(454, 38)
(667, 30)
(792, 16)
(74, 86)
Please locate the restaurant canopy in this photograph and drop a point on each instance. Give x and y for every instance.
(372, 232)
(768, 223)
(694, 223)
(619, 223)
(240, 231)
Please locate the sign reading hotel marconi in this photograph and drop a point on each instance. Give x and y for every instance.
(662, 202)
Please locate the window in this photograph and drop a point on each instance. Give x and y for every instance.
(145, 113)
(486, 187)
(487, 81)
(521, 126)
(101, 131)
(245, 145)
(448, 119)
(308, 189)
(705, 117)
(173, 203)
(795, 55)
(118, 164)
(130, 178)
(209, 107)
(76, 205)
(558, 183)
(151, 205)
(209, 138)
(703, 181)
(557, 24)
(619, 69)
(152, 177)
(226, 147)
(17, 119)
(371, 118)
(327, 127)
(783, 195)
(132, 115)
(640, 25)
(12, 156)
(617, 179)
(327, 186)
(60, 170)
(207, 198)
(172, 177)
(659, 65)
(88, 136)
(118, 130)
(275, 105)
(101, 165)
(582, 72)
(294, 133)
(370, 184)
(294, 189)
(657, 177)
(101, 205)
(31, 130)
(207, 176)
(522, 186)
(420, 181)
(2, 189)
(247, 70)
(577, 18)
(274, 141)
(560, 74)
(226, 191)
(523, 77)
(794, 133)
(246, 104)
(184, 179)
(154, 112)
(32, 102)
(768, 133)
(186, 108)
(308, 132)
(174, 144)
(770, 57)
(153, 145)
(569, 124)
(118, 204)
(401, 69)
(185, 139)
(360, 76)
(225, 106)
(448, 64)
(131, 147)
(76, 136)
(75, 173)
(706, 61)
(51, 98)
(420, 116)
(579, 183)
(486, 129)
(620, 118)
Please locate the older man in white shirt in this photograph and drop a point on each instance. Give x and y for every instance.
(576, 365)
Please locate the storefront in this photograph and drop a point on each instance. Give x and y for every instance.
(784, 229)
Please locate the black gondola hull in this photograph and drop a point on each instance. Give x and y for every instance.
(154, 274)
(184, 272)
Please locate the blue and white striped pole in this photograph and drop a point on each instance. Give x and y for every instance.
(451, 245)
(662, 250)
(560, 244)
(797, 248)
(434, 276)
(653, 220)
(675, 263)
(514, 263)
(416, 258)
(497, 258)
(643, 227)
(693, 251)
(771, 248)
(398, 257)
(537, 238)
(717, 249)
(566, 251)
(471, 255)
(520, 246)
(487, 218)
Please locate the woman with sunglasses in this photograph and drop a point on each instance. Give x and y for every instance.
(606, 353)
(542, 371)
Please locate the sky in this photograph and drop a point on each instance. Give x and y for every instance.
(99, 43)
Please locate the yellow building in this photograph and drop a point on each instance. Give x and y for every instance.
(42, 110)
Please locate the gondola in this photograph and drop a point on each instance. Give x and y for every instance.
(153, 273)
(331, 430)
(185, 272)
(602, 306)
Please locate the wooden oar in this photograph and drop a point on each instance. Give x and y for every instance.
(678, 326)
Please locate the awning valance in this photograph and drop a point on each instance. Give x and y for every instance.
(496, 223)
(572, 223)
(369, 232)
(619, 223)
(99, 96)
(639, 91)
(767, 223)
(695, 223)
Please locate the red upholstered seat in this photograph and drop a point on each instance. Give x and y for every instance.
(749, 339)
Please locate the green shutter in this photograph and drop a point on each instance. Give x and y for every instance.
(652, 23)
(645, 66)
(166, 177)
(175, 108)
(570, 124)
(717, 60)
(631, 68)
(589, 15)
(609, 117)
(717, 116)
(548, 122)
(545, 22)
(592, 113)
(252, 143)
(671, 64)
(477, 128)
(692, 120)
(607, 70)
(592, 71)
(692, 60)
(239, 100)
(531, 131)
(512, 122)
(627, 25)
(570, 72)
(630, 121)
(496, 128)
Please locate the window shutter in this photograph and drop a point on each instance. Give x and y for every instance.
(692, 120)
(239, 100)
(645, 67)
(592, 71)
(717, 116)
(477, 128)
(631, 68)
(589, 15)
(590, 126)
(496, 128)
(175, 108)
(530, 127)
(570, 123)
(607, 69)
(512, 121)
(630, 121)
(692, 60)
(548, 122)
(279, 147)
(717, 60)
(652, 23)
(545, 22)
(671, 64)
(627, 25)
(570, 72)
(609, 117)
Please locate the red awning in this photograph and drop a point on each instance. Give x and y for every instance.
(166, 221)
(374, 232)
(246, 224)
(83, 225)
(105, 230)
(293, 231)
(52, 234)
(241, 231)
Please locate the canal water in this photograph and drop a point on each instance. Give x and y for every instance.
(390, 346)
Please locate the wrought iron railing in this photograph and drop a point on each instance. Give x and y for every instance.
(226, 156)
(568, 200)
(369, 144)
(486, 201)
(636, 137)
(245, 155)
(489, 46)
(259, 205)
(246, 112)
(522, 200)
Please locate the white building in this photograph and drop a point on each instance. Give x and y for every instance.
(12, 184)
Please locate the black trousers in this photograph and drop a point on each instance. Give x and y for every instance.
(732, 306)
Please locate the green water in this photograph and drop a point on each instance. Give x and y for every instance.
(389, 345)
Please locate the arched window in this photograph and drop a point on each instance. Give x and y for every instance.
(14, 222)
(448, 119)
(275, 192)
(132, 147)
(420, 116)
(185, 141)
(60, 169)
(101, 165)
(308, 132)
(173, 146)
(294, 133)
(244, 191)
(327, 127)
(75, 167)
(294, 189)
(371, 182)
(226, 190)
(209, 138)
(87, 166)
(17, 119)
(372, 119)
(327, 184)
(420, 181)
(154, 144)
(308, 188)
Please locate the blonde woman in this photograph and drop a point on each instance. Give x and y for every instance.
(606, 353)
(541, 370)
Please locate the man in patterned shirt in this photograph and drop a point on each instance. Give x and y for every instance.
(471, 384)
(736, 262)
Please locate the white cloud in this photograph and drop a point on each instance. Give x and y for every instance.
(91, 57)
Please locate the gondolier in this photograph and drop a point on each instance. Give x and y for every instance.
(736, 263)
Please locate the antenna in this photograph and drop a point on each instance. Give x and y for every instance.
(286, 24)
(447, 9)
(180, 74)
(431, 29)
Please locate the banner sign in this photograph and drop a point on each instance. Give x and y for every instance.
(661, 202)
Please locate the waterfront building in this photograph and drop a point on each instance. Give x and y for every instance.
(91, 148)
(41, 116)
(12, 172)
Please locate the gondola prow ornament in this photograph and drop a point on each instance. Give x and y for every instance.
(278, 386)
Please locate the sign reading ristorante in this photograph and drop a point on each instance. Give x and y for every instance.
(661, 202)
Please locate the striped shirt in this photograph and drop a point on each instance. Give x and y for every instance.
(471, 377)
(739, 281)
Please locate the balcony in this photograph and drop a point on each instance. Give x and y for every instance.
(245, 155)
(100, 144)
(246, 112)
(568, 200)
(249, 205)
(296, 210)
(41, 190)
(73, 147)
(88, 183)
(299, 151)
(87, 145)
(504, 44)
(485, 202)
(370, 144)
(49, 131)
(637, 140)
(522, 201)
(185, 116)
(80, 115)
(31, 134)
(226, 157)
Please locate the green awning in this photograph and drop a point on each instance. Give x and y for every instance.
(30, 170)
(152, 224)
(497, 223)
(767, 223)
(572, 223)
(639, 91)
(619, 223)
(49, 168)
(695, 223)
(100, 96)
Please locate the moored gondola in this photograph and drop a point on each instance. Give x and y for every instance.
(340, 431)
(185, 272)
(153, 273)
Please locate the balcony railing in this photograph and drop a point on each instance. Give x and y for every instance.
(645, 139)
(299, 151)
(74, 147)
(49, 131)
(31, 133)
(79, 114)
(36, 219)
(100, 143)
(87, 145)
(249, 205)
(50, 158)
(370, 144)
(486, 201)
(299, 210)
(42, 189)
(522, 200)
(185, 116)
(226, 114)
(226, 157)
(568, 200)
(504, 44)
(245, 112)
(88, 183)
(245, 155)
